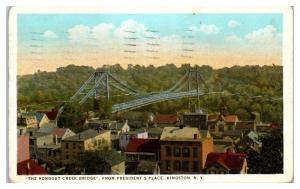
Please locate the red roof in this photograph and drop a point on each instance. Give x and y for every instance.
(230, 161)
(59, 132)
(30, 167)
(228, 118)
(165, 118)
(231, 118)
(143, 145)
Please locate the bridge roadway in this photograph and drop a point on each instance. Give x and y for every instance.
(146, 100)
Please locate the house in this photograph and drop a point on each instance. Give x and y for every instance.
(142, 149)
(47, 128)
(23, 148)
(121, 127)
(30, 167)
(116, 129)
(36, 140)
(198, 120)
(143, 167)
(226, 163)
(165, 120)
(183, 150)
(61, 133)
(73, 146)
(126, 137)
(41, 118)
(221, 123)
(52, 115)
(27, 120)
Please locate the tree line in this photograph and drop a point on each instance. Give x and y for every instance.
(246, 89)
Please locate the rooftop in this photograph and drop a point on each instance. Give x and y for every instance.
(50, 114)
(228, 160)
(143, 145)
(59, 132)
(227, 118)
(30, 167)
(165, 118)
(87, 134)
(181, 134)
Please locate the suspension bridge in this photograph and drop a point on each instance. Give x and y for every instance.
(103, 82)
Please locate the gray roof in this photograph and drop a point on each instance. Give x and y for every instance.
(47, 128)
(84, 135)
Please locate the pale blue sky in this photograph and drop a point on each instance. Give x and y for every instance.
(48, 41)
(167, 24)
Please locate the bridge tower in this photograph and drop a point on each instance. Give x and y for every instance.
(194, 76)
(100, 83)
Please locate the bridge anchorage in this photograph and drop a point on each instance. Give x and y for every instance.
(102, 82)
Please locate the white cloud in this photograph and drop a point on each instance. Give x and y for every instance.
(130, 26)
(79, 32)
(233, 39)
(233, 24)
(49, 34)
(103, 31)
(265, 35)
(209, 29)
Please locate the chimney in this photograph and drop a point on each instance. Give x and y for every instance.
(195, 136)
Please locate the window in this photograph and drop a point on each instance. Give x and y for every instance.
(168, 165)
(168, 151)
(176, 152)
(195, 152)
(67, 145)
(177, 165)
(185, 166)
(186, 152)
(31, 142)
(74, 145)
(196, 166)
(67, 156)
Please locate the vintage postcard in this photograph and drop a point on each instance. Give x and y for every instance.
(168, 95)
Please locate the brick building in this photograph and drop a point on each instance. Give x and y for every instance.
(23, 148)
(184, 150)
